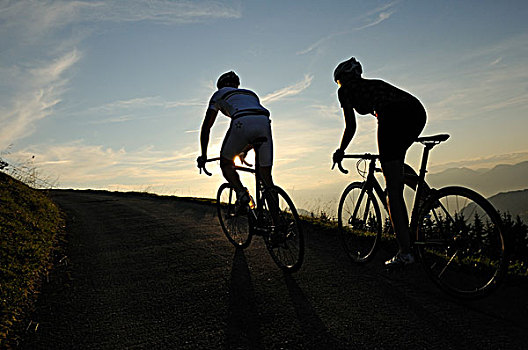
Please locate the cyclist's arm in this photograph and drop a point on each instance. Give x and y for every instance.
(210, 117)
(350, 127)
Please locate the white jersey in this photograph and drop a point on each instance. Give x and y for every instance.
(236, 103)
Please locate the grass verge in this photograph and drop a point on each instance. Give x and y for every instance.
(29, 234)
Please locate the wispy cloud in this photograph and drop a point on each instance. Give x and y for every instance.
(497, 61)
(378, 14)
(327, 111)
(80, 165)
(144, 102)
(164, 11)
(521, 100)
(370, 19)
(482, 81)
(291, 90)
(380, 18)
(37, 52)
(135, 109)
(40, 17)
(79, 162)
(44, 87)
(319, 42)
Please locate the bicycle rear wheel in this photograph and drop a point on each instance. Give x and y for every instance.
(235, 226)
(461, 243)
(285, 239)
(360, 223)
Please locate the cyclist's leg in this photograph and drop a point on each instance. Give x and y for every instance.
(234, 142)
(397, 130)
(230, 174)
(265, 165)
(266, 162)
(262, 128)
(393, 172)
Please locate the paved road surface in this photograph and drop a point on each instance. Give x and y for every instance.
(146, 272)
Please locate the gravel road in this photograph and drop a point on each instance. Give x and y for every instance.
(148, 272)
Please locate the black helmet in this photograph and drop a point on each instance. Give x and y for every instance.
(348, 69)
(229, 78)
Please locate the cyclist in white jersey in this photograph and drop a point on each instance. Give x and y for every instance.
(249, 121)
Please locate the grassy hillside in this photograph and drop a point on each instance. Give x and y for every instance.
(29, 226)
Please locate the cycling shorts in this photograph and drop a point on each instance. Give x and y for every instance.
(242, 132)
(399, 125)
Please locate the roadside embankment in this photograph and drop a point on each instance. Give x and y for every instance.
(29, 235)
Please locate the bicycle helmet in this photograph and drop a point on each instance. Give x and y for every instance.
(228, 79)
(348, 69)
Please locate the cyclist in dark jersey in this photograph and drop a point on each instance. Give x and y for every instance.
(401, 118)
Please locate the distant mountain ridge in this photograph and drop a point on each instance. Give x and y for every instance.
(514, 202)
(488, 182)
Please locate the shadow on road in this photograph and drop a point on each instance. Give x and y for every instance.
(243, 325)
(315, 333)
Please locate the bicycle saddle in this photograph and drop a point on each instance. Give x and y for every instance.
(435, 138)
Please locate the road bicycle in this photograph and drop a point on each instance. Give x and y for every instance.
(271, 214)
(455, 232)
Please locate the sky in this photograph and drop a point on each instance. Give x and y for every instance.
(111, 94)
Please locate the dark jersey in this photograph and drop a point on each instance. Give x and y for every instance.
(372, 96)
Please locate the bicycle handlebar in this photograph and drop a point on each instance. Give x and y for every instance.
(207, 161)
(243, 161)
(366, 156)
(341, 169)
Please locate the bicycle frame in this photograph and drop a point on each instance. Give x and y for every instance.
(259, 188)
(372, 184)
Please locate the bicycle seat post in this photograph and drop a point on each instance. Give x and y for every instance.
(429, 142)
(425, 159)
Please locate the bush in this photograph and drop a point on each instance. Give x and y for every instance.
(517, 243)
(29, 226)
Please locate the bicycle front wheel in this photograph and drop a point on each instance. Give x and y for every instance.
(461, 243)
(235, 226)
(285, 239)
(360, 223)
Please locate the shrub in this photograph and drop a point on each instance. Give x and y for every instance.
(29, 226)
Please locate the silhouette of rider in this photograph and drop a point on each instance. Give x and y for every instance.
(249, 121)
(401, 118)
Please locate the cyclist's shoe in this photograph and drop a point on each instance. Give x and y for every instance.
(242, 202)
(400, 260)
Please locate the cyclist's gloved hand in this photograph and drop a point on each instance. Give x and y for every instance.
(201, 160)
(338, 156)
(242, 156)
